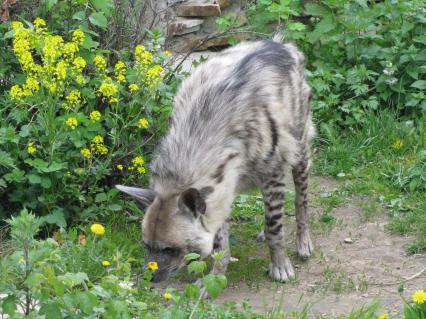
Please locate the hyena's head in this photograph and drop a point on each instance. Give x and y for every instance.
(172, 227)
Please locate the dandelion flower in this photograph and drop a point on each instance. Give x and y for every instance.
(97, 229)
(419, 297)
(152, 265)
(106, 263)
(167, 296)
(384, 316)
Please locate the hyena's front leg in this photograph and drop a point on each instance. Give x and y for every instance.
(300, 177)
(221, 243)
(280, 268)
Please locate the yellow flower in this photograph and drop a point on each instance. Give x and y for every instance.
(138, 49)
(31, 148)
(106, 263)
(108, 89)
(16, 92)
(138, 161)
(74, 98)
(71, 122)
(120, 167)
(85, 152)
(79, 64)
(120, 65)
(99, 62)
(31, 86)
(397, 144)
(16, 25)
(167, 296)
(69, 49)
(98, 139)
(143, 123)
(39, 23)
(384, 316)
(78, 36)
(80, 79)
(95, 116)
(152, 265)
(61, 70)
(153, 75)
(97, 229)
(120, 71)
(133, 87)
(141, 170)
(419, 297)
(167, 53)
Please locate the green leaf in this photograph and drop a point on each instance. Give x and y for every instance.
(56, 218)
(197, 267)
(191, 256)
(9, 305)
(98, 19)
(316, 10)
(192, 291)
(6, 160)
(51, 311)
(101, 197)
(80, 15)
(103, 5)
(214, 284)
(115, 207)
(86, 301)
(322, 27)
(420, 84)
(50, 3)
(34, 179)
(88, 43)
(46, 183)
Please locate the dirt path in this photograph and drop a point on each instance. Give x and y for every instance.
(341, 276)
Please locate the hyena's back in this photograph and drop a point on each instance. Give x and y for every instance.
(251, 102)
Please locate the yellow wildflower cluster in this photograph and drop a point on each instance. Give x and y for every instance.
(98, 146)
(85, 152)
(30, 87)
(31, 149)
(109, 90)
(153, 75)
(137, 164)
(72, 122)
(99, 62)
(57, 57)
(95, 116)
(74, 98)
(120, 71)
(120, 167)
(143, 123)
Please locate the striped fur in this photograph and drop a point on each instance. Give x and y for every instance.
(239, 120)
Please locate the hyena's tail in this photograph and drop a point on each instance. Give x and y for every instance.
(278, 37)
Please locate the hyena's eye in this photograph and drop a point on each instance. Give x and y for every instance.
(171, 251)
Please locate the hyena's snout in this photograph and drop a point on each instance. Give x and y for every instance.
(165, 263)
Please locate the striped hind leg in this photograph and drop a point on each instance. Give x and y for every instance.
(280, 268)
(300, 178)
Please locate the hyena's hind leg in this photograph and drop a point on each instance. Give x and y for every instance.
(300, 178)
(221, 243)
(280, 268)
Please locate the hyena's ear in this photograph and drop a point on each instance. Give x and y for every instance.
(191, 201)
(143, 196)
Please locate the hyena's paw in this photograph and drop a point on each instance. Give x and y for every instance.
(304, 245)
(283, 272)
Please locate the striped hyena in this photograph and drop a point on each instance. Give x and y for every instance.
(239, 120)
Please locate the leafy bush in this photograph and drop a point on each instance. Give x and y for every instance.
(75, 123)
(362, 55)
